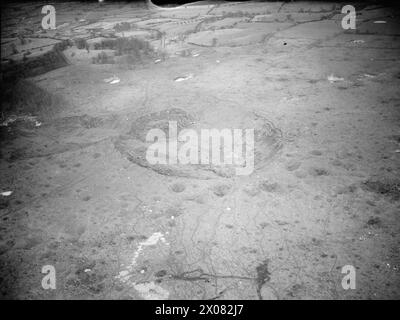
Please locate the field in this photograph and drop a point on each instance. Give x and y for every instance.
(79, 100)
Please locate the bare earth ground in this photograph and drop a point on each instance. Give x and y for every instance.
(325, 192)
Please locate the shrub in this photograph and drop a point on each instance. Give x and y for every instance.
(133, 46)
(123, 26)
(81, 43)
(136, 49)
(106, 44)
(102, 58)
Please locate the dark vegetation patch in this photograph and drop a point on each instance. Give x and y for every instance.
(123, 26)
(390, 189)
(316, 172)
(106, 44)
(134, 46)
(33, 65)
(263, 276)
(103, 58)
(25, 97)
(161, 273)
(178, 187)
(126, 45)
(395, 138)
(129, 50)
(81, 43)
(374, 222)
(222, 190)
(269, 187)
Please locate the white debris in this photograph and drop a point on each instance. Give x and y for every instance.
(195, 54)
(179, 79)
(87, 270)
(114, 79)
(358, 41)
(153, 239)
(151, 291)
(366, 75)
(217, 61)
(380, 21)
(332, 78)
(157, 61)
(6, 193)
(124, 275)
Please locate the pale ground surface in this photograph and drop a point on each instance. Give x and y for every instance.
(325, 194)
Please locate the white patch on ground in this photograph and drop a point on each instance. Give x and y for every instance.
(332, 78)
(179, 79)
(151, 291)
(125, 275)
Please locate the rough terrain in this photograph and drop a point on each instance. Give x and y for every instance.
(325, 191)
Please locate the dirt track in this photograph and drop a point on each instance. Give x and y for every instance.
(325, 192)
